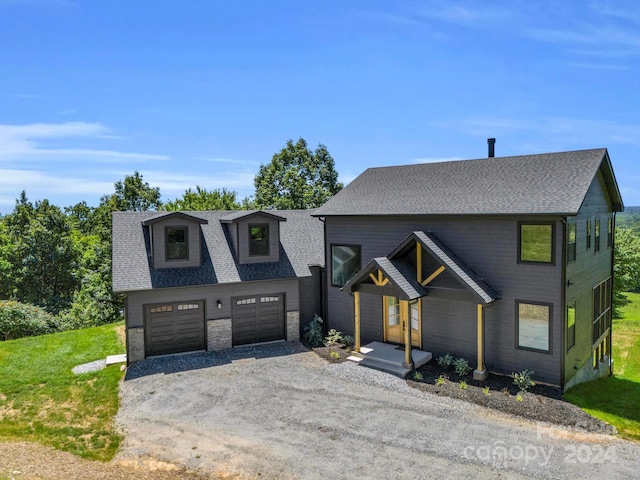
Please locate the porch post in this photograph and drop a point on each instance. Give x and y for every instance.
(356, 303)
(406, 325)
(480, 373)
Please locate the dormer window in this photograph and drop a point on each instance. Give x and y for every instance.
(259, 240)
(177, 243)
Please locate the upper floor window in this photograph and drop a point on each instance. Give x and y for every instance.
(535, 242)
(596, 246)
(259, 239)
(610, 233)
(345, 262)
(571, 242)
(177, 243)
(534, 326)
(588, 234)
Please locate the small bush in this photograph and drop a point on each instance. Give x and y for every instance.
(313, 336)
(461, 367)
(417, 376)
(440, 380)
(18, 320)
(335, 355)
(348, 341)
(522, 380)
(462, 384)
(336, 338)
(485, 391)
(445, 361)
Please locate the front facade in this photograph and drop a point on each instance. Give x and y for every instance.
(212, 280)
(506, 262)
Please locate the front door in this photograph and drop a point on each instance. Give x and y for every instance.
(393, 325)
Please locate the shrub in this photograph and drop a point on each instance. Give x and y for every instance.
(335, 355)
(522, 380)
(313, 336)
(19, 320)
(485, 391)
(336, 338)
(461, 367)
(462, 384)
(440, 380)
(417, 376)
(445, 361)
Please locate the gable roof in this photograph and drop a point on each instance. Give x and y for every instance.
(164, 215)
(402, 278)
(301, 245)
(551, 183)
(242, 214)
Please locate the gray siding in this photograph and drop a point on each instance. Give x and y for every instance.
(489, 245)
(243, 239)
(158, 243)
(311, 297)
(210, 294)
(589, 270)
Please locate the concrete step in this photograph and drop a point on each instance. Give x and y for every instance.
(385, 366)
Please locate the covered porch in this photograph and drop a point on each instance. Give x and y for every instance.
(400, 276)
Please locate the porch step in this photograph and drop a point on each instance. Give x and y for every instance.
(385, 366)
(388, 358)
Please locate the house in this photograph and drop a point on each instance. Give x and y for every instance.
(506, 262)
(212, 280)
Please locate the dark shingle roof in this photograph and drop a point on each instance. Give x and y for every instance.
(240, 214)
(402, 277)
(301, 245)
(552, 183)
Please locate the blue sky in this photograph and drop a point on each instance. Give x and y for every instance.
(202, 92)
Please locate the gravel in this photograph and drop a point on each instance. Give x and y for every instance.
(279, 411)
(90, 367)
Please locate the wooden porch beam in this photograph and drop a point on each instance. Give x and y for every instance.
(431, 277)
(380, 280)
(406, 325)
(480, 373)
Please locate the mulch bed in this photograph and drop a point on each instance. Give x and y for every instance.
(542, 403)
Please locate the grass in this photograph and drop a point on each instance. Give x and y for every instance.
(42, 401)
(615, 399)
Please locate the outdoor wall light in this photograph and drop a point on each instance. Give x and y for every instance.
(219, 304)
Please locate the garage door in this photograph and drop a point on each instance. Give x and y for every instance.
(174, 328)
(258, 319)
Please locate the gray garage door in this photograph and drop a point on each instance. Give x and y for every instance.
(258, 319)
(174, 328)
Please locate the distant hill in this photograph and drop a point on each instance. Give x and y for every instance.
(630, 218)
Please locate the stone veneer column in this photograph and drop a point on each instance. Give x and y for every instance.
(293, 326)
(135, 345)
(219, 334)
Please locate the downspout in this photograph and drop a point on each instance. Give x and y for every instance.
(613, 260)
(563, 312)
(324, 290)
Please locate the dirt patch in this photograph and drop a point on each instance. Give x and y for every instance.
(333, 354)
(28, 461)
(542, 403)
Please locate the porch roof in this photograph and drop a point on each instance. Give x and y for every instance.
(402, 281)
(454, 265)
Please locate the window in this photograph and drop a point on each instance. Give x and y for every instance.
(571, 243)
(162, 309)
(535, 242)
(610, 233)
(534, 326)
(596, 246)
(588, 234)
(393, 310)
(571, 325)
(258, 240)
(176, 241)
(188, 306)
(345, 262)
(601, 310)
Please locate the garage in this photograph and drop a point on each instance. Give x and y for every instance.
(174, 328)
(258, 319)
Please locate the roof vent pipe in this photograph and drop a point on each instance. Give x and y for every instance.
(492, 149)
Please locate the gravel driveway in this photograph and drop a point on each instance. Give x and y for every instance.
(279, 411)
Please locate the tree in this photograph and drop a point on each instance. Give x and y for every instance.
(203, 199)
(297, 178)
(626, 265)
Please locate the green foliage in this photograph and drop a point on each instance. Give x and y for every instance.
(440, 380)
(18, 320)
(203, 199)
(313, 332)
(485, 391)
(297, 178)
(462, 384)
(43, 401)
(335, 355)
(335, 337)
(522, 380)
(626, 266)
(445, 361)
(417, 376)
(461, 367)
(519, 397)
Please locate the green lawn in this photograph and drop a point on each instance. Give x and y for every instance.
(41, 400)
(616, 399)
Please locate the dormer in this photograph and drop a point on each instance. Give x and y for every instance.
(175, 240)
(254, 235)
